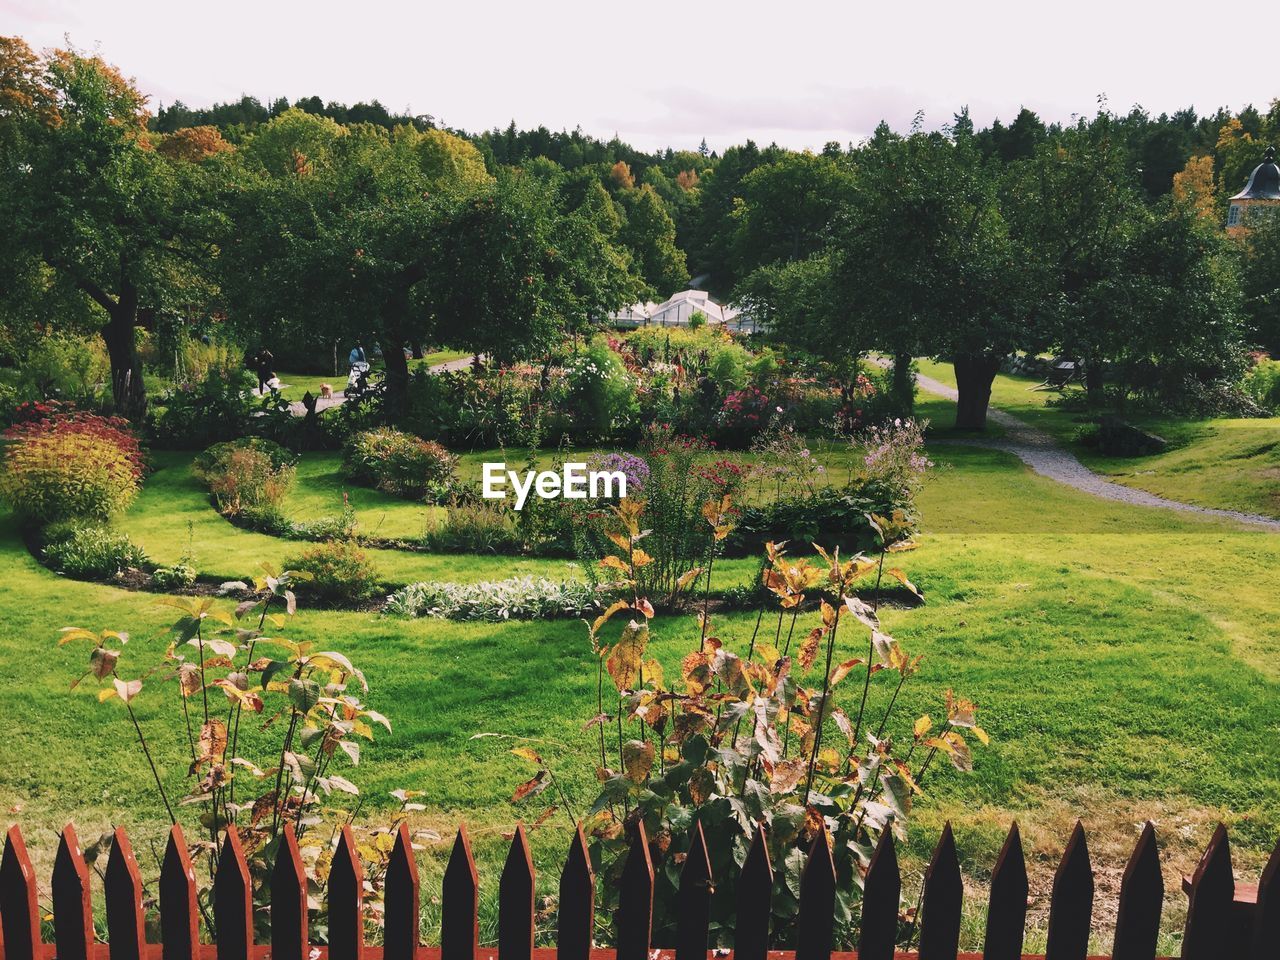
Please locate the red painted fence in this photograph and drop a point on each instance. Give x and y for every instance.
(1221, 925)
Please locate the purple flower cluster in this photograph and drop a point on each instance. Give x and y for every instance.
(632, 467)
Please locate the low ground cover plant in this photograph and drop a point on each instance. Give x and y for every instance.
(401, 464)
(60, 463)
(519, 598)
(85, 550)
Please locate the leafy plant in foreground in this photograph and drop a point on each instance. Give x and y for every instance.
(779, 732)
(229, 673)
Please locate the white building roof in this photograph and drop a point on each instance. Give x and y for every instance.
(675, 311)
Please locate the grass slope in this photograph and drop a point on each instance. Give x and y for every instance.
(1228, 463)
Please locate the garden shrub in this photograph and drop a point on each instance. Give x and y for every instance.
(520, 598)
(246, 474)
(65, 366)
(679, 484)
(830, 516)
(400, 464)
(761, 732)
(216, 408)
(727, 366)
(340, 572)
(472, 525)
(90, 551)
(62, 464)
(1262, 383)
(601, 394)
(743, 415)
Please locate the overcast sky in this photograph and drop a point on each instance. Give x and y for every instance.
(661, 73)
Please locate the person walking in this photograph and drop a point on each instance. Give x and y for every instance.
(265, 366)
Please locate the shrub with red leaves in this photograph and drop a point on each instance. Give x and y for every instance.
(62, 464)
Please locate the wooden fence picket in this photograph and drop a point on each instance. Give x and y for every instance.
(122, 891)
(881, 894)
(635, 899)
(693, 908)
(460, 902)
(815, 923)
(577, 901)
(288, 901)
(515, 900)
(346, 900)
(233, 900)
(1071, 906)
(941, 901)
(755, 901)
(1217, 925)
(19, 905)
(179, 913)
(400, 900)
(1266, 920)
(1141, 901)
(1007, 901)
(1213, 889)
(72, 900)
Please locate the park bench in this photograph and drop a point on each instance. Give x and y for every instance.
(1061, 372)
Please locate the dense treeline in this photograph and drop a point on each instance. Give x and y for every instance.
(317, 222)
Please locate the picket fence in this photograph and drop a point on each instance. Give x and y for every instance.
(1223, 922)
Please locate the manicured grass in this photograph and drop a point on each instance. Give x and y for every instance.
(173, 518)
(1229, 463)
(1125, 661)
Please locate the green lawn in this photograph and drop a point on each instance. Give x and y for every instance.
(1127, 663)
(173, 518)
(1228, 463)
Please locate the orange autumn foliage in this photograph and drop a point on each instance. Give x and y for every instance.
(193, 144)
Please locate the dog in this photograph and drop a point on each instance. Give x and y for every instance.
(326, 391)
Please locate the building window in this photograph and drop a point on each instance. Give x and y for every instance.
(1233, 216)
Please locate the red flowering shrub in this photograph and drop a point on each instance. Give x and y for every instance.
(63, 464)
(744, 413)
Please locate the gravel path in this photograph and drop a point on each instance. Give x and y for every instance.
(1041, 453)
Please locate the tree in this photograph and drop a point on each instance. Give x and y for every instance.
(510, 274)
(786, 208)
(926, 264)
(444, 158)
(1261, 282)
(335, 249)
(650, 235)
(1170, 311)
(91, 212)
(1073, 207)
(1193, 185)
(193, 144)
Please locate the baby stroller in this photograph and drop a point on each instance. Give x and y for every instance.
(357, 379)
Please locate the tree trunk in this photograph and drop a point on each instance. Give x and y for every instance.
(396, 400)
(128, 391)
(974, 375)
(1093, 382)
(904, 383)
